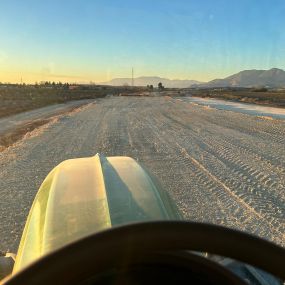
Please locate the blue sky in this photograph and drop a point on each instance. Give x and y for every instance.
(99, 40)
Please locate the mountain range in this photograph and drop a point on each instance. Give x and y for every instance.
(251, 78)
(152, 80)
(274, 78)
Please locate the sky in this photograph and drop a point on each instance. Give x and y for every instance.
(92, 40)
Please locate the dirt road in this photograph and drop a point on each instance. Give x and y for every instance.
(219, 166)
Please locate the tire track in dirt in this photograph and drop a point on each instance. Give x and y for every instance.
(230, 152)
(215, 202)
(277, 224)
(229, 191)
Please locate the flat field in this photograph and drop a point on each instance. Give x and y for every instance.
(14, 100)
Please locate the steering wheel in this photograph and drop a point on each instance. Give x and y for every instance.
(153, 252)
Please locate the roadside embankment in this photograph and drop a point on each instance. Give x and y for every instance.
(14, 128)
(269, 98)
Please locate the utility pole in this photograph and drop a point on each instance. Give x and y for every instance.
(132, 77)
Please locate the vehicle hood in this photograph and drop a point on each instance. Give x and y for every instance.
(83, 196)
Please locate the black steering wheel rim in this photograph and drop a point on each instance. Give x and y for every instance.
(138, 238)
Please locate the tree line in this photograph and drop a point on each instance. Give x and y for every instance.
(159, 86)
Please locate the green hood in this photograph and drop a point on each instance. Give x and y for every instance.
(82, 196)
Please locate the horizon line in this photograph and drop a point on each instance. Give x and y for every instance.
(92, 81)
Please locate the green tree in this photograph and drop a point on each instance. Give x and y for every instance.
(150, 87)
(160, 86)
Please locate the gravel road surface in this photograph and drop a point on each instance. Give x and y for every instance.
(220, 167)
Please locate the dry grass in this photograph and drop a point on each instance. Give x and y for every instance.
(15, 100)
(270, 98)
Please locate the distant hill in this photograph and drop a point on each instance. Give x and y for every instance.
(152, 80)
(251, 78)
(274, 78)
